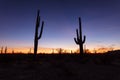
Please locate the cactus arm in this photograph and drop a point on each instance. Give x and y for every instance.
(84, 39)
(40, 35)
(76, 41)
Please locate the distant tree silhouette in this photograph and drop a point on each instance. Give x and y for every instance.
(79, 40)
(29, 51)
(6, 50)
(52, 51)
(87, 51)
(94, 51)
(60, 50)
(77, 51)
(12, 51)
(84, 49)
(1, 50)
(65, 51)
(71, 51)
(37, 37)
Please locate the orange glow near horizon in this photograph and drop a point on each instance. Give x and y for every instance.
(31, 50)
(54, 50)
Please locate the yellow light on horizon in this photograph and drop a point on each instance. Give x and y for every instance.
(51, 50)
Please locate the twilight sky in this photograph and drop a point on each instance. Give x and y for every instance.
(100, 23)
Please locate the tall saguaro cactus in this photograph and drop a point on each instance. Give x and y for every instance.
(79, 40)
(37, 37)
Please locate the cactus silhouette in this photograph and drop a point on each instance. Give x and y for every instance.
(37, 37)
(79, 40)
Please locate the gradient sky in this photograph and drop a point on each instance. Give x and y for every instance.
(100, 23)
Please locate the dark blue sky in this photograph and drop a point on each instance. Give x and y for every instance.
(100, 22)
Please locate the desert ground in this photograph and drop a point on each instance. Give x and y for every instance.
(60, 67)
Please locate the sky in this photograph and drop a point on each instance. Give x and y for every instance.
(100, 23)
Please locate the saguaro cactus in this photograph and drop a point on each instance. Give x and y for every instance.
(79, 40)
(37, 37)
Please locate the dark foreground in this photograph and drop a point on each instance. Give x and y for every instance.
(60, 67)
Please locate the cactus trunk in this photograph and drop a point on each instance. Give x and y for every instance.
(79, 41)
(37, 37)
(35, 46)
(80, 32)
(81, 48)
